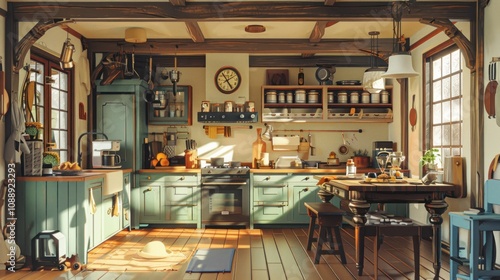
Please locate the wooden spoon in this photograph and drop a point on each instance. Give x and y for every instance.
(413, 114)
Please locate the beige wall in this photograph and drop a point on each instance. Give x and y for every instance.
(3, 5)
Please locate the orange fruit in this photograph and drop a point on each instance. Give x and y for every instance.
(164, 162)
(161, 155)
(154, 162)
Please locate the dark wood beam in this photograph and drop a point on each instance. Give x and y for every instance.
(243, 11)
(178, 2)
(295, 61)
(195, 31)
(329, 2)
(253, 46)
(467, 48)
(318, 31)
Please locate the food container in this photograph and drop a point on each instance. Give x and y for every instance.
(312, 96)
(342, 97)
(375, 97)
(330, 96)
(217, 161)
(354, 97)
(384, 96)
(289, 97)
(281, 97)
(228, 106)
(250, 106)
(205, 106)
(365, 97)
(300, 96)
(215, 107)
(271, 97)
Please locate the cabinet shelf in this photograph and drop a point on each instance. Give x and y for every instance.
(170, 109)
(324, 110)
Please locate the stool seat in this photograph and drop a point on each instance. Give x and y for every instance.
(328, 217)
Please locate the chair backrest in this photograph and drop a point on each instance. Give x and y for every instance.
(491, 194)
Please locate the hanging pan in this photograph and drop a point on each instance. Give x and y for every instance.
(343, 149)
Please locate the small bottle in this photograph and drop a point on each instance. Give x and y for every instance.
(147, 154)
(301, 77)
(350, 168)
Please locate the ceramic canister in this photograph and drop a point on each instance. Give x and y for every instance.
(354, 97)
(330, 96)
(375, 97)
(271, 97)
(342, 97)
(300, 96)
(384, 96)
(312, 96)
(365, 97)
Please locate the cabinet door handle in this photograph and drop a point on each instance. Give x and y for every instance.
(306, 178)
(148, 190)
(182, 178)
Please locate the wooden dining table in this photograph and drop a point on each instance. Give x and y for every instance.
(361, 194)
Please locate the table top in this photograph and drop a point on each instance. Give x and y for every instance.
(410, 185)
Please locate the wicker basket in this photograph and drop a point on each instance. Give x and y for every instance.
(33, 162)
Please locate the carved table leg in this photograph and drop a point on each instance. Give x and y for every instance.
(436, 208)
(359, 208)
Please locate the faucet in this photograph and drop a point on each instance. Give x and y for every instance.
(80, 138)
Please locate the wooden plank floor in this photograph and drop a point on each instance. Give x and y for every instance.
(260, 254)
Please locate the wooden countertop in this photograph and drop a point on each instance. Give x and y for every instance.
(339, 170)
(170, 169)
(86, 175)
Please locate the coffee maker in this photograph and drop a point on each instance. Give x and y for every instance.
(380, 146)
(104, 153)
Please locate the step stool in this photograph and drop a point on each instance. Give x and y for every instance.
(328, 217)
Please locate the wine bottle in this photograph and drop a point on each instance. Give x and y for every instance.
(301, 77)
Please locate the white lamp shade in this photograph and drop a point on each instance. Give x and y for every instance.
(373, 82)
(135, 35)
(400, 66)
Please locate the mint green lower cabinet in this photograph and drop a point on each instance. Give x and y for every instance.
(170, 199)
(110, 222)
(60, 205)
(270, 194)
(303, 193)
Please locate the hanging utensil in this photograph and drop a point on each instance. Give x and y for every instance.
(343, 149)
(150, 73)
(128, 74)
(133, 63)
(311, 147)
(413, 114)
(491, 88)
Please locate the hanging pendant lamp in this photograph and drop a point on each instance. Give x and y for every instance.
(373, 82)
(400, 62)
(66, 59)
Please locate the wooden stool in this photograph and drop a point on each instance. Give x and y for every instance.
(416, 230)
(328, 217)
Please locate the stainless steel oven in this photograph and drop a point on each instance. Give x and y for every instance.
(225, 197)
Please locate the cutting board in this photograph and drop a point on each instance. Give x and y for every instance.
(304, 150)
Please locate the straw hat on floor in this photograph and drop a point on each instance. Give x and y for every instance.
(154, 250)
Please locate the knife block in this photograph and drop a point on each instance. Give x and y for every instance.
(190, 157)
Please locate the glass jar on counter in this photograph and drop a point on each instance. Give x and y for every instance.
(342, 97)
(354, 97)
(365, 97)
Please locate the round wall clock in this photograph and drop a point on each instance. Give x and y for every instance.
(227, 79)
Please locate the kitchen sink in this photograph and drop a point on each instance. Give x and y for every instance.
(113, 180)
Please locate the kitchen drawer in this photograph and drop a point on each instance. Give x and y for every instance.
(266, 193)
(270, 213)
(191, 178)
(304, 178)
(151, 178)
(269, 179)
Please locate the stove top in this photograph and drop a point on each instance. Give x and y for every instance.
(225, 170)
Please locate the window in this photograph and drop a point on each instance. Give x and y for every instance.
(444, 102)
(53, 104)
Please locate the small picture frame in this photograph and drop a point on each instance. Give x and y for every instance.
(277, 77)
(205, 106)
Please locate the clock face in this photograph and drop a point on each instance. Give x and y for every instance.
(227, 79)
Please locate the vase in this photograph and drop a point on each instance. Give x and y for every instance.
(258, 147)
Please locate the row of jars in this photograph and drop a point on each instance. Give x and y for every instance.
(354, 97)
(299, 96)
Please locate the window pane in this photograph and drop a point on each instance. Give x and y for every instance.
(63, 99)
(64, 120)
(446, 65)
(64, 140)
(55, 99)
(63, 81)
(446, 112)
(436, 91)
(436, 135)
(446, 134)
(456, 108)
(455, 61)
(436, 69)
(436, 113)
(455, 85)
(455, 134)
(446, 88)
(456, 151)
(63, 155)
(55, 119)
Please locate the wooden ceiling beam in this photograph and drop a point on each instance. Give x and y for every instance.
(239, 11)
(254, 46)
(195, 31)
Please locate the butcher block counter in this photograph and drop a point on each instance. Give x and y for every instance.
(337, 170)
(85, 175)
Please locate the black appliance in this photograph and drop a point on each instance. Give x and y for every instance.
(228, 117)
(380, 146)
(225, 195)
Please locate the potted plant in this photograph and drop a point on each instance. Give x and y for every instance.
(361, 158)
(431, 159)
(33, 129)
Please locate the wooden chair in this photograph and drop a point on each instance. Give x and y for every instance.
(480, 226)
(328, 217)
(416, 230)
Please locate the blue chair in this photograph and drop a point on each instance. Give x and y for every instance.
(480, 227)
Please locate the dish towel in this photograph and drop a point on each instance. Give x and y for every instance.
(92, 206)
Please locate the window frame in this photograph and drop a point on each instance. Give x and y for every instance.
(52, 62)
(446, 47)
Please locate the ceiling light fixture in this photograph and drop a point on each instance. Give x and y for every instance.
(400, 63)
(255, 28)
(66, 59)
(373, 81)
(135, 35)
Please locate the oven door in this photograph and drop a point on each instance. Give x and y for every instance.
(225, 204)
